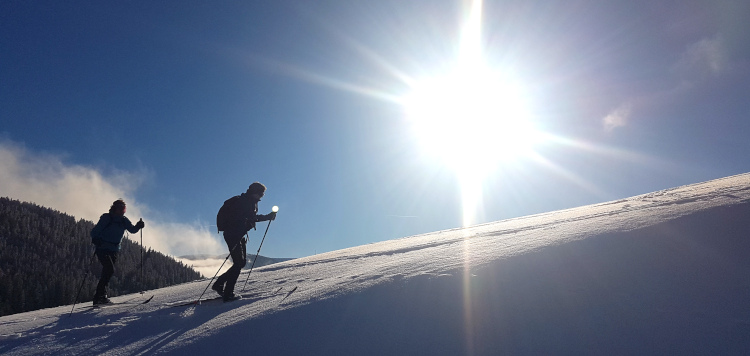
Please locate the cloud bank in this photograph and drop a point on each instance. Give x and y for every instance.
(208, 267)
(86, 193)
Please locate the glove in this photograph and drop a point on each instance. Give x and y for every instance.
(140, 224)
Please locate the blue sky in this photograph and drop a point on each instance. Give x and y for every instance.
(180, 105)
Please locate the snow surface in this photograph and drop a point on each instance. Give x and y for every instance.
(661, 273)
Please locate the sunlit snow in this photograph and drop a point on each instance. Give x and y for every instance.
(661, 273)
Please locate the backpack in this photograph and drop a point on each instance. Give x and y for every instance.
(97, 240)
(226, 212)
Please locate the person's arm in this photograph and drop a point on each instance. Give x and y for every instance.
(250, 211)
(130, 227)
(269, 216)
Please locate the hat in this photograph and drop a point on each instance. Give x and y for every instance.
(256, 188)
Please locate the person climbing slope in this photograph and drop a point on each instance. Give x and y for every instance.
(107, 236)
(235, 218)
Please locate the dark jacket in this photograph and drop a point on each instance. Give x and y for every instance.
(108, 232)
(244, 215)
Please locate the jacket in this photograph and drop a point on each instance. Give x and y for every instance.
(108, 232)
(244, 215)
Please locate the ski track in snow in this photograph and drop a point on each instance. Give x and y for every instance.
(157, 327)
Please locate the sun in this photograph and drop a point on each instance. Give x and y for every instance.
(474, 117)
(471, 118)
(474, 120)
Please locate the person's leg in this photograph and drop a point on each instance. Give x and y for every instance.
(107, 260)
(239, 260)
(232, 240)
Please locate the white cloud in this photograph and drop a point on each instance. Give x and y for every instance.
(208, 267)
(85, 192)
(617, 118)
(701, 59)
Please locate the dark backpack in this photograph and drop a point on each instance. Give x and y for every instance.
(96, 240)
(227, 212)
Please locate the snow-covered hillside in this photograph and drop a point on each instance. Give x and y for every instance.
(661, 273)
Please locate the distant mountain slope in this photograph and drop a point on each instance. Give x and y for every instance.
(45, 256)
(262, 260)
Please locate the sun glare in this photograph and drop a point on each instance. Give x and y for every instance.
(474, 118)
(471, 119)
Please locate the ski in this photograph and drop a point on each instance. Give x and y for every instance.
(290, 293)
(127, 302)
(149, 299)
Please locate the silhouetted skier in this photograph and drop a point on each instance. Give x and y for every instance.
(236, 217)
(107, 236)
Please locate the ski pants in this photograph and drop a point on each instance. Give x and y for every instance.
(238, 250)
(107, 259)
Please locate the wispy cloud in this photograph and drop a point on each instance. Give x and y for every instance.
(86, 193)
(617, 118)
(702, 59)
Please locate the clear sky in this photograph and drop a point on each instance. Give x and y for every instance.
(367, 120)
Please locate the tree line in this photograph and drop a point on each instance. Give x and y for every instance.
(45, 255)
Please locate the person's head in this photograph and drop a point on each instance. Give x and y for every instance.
(256, 190)
(118, 207)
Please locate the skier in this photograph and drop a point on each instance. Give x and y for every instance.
(236, 217)
(107, 236)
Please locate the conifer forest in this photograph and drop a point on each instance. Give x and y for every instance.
(45, 256)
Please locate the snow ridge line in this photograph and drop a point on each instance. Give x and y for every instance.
(668, 197)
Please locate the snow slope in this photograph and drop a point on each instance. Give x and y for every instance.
(661, 273)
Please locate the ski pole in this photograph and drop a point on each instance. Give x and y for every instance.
(274, 209)
(141, 257)
(85, 277)
(217, 272)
